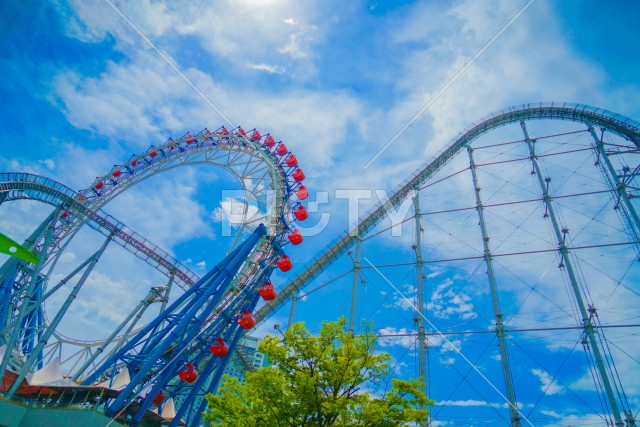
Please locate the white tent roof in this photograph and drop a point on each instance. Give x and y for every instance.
(50, 373)
(168, 410)
(118, 382)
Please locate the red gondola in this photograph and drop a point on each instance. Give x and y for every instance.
(65, 214)
(220, 348)
(189, 139)
(292, 160)
(116, 173)
(284, 263)
(246, 320)
(295, 237)
(256, 136)
(269, 142)
(158, 399)
(298, 175)
(302, 192)
(153, 153)
(224, 131)
(99, 185)
(190, 374)
(241, 132)
(134, 163)
(282, 150)
(267, 291)
(301, 213)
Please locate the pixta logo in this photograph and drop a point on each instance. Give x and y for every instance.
(240, 208)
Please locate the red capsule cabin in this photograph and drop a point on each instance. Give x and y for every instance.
(284, 263)
(220, 348)
(267, 291)
(302, 193)
(153, 153)
(282, 150)
(134, 163)
(269, 142)
(99, 185)
(246, 320)
(189, 375)
(189, 139)
(224, 131)
(298, 175)
(256, 136)
(241, 132)
(292, 160)
(301, 213)
(295, 237)
(116, 173)
(157, 399)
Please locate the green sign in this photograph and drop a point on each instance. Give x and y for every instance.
(9, 247)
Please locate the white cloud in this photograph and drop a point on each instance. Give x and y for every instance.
(234, 211)
(271, 69)
(548, 386)
(404, 337)
(405, 301)
(238, 33)
(176, 214)
(446, 303)
(466, 403)
(48, 163)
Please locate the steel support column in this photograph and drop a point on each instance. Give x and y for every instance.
(500, 333)
(419, 319)
(26, 301)
(44, 337)
(619, 187)
(589, 330)
(356, 278)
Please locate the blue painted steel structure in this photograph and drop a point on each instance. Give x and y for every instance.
(209, 307)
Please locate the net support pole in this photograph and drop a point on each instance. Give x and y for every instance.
(587, 325)
(497, 310)
(619, 187)
(356, 278)
(419, 319)
(292, 311)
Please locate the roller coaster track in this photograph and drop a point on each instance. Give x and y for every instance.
(15, 186)
(623, 126)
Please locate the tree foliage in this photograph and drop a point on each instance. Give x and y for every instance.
(318, 381)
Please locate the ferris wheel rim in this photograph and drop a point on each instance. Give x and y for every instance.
(235, 142)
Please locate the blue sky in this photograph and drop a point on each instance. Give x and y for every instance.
(83, 90)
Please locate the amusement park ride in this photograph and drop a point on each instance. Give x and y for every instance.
(139, 373)
(158, 372)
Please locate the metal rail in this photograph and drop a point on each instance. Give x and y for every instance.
(616, 123)
(27, 186)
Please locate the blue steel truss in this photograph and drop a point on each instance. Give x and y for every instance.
(182, 334)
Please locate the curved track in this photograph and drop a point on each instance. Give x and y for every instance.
(623, 126)
(567, 245)
(156, 353)
(269, 175)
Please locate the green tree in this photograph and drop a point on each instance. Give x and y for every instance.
(318, 381)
